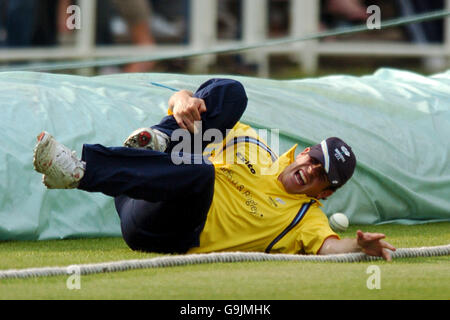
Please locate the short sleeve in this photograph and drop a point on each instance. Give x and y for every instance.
(313, 230)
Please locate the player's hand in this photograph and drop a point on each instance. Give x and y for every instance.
(373, 245)
(187, 109)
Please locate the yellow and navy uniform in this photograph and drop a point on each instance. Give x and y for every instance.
(251, 211)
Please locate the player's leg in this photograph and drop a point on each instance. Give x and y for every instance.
(140, 174)
(162, 206)
(166, 226)
(225, 101)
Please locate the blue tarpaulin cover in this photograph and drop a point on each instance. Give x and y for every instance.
(397, 122)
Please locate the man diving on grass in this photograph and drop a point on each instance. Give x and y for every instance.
(241, 197)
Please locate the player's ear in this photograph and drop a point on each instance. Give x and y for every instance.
(306, 151)
(325, 194)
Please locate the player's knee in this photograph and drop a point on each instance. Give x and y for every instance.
(237, 97)
(236, 92)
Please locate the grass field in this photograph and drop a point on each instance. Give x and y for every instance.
(414, 278)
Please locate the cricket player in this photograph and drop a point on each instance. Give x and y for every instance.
(201, 181)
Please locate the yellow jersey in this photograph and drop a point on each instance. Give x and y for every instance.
(250, 210)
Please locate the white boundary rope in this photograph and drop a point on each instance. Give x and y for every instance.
(182, 260)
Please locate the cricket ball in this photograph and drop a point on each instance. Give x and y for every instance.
(338, 222)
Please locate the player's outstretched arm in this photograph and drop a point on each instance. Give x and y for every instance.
(369, 243)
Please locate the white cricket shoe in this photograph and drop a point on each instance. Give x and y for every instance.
(60, 166)
(147, 138)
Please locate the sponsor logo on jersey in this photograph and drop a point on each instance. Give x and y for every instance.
(275, 202)
(246, 162)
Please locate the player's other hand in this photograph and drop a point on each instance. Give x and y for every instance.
(373, 245)
(187, 110)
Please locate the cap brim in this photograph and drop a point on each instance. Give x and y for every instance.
(320, 153)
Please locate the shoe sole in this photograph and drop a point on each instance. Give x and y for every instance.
(40, 152)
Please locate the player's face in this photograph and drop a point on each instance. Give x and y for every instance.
(307, 176)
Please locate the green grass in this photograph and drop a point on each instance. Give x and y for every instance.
(415, 278)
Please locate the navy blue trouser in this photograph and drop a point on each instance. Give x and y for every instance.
(163, 206)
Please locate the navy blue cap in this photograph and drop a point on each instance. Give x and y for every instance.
(337, 158)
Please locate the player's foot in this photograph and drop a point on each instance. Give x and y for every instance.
(147, 138)
(60, 166)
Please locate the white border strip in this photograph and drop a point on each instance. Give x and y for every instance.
(326, 157)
